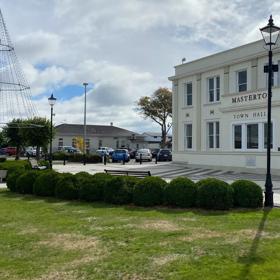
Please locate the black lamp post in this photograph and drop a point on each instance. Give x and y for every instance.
(85, 123)
(52, 101)
(270, 35)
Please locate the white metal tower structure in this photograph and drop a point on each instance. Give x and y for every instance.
(15, 94)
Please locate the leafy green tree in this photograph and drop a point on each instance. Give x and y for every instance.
(3, 139)
(158, 107)
(37, 133)
(12, 132)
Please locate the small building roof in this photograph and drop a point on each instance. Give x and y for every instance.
(95, 130)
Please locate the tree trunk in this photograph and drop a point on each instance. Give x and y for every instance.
(38, 152)
(17, 152)
(163, 136)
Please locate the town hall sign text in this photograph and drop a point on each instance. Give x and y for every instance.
(249, 97)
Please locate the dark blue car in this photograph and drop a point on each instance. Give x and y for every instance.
(120, 155)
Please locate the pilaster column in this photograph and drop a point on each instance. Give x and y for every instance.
(197, 108)
(175, 113)
(254, 74)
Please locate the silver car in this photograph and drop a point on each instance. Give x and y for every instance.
(145, 154)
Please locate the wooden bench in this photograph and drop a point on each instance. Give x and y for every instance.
(134, 173)
(35, 165)
(3, 175)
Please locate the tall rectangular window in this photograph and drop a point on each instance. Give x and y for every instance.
(99, 143)
(188, 94)
(217, 135)
(242, 80)
(214, 89)
(213, 135)
(60, 142)
(252, 136)
(87, 144)
(265, 135)
(188, 136)
(237, 136)
(74, 142)
(275, 81)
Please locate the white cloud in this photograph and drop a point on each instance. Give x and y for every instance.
(126, 48)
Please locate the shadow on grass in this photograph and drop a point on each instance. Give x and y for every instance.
(252, 257)
(130, 208)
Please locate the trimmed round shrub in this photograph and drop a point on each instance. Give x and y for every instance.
(66, 187)
(12, 165)
(45, 183)
(12, 178)
(149, 191)
(25, 182)
(92, 188)
(214, 194)
(119, 189)
(247, 194)
(180, 192)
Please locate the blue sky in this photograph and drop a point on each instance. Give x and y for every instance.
(126, 48)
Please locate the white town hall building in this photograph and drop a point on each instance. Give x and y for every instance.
(220, 110)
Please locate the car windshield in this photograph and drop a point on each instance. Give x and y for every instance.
(120, 151)
(144, 151)
(164, 151)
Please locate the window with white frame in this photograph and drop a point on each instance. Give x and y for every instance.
(237, 136)
(74, 142)
(251, 136)
(87, 144)
(213, 89)
(275, 77)
(242, 80)
(188, 136)
(213, 135)
(60, 142)
(188, 94)
(265, 136)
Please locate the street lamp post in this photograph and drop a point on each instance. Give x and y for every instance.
(85, 123)
(52, 101)
(270, 35)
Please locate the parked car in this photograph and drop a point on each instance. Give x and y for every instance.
(3, 155)
(164, 155)
(144, 153)
(104, 151)
(132, 153)
(30, 151)
(70, 150)
(155, 152)
(120, 155)
(10, 151)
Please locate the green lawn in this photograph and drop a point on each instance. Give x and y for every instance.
(51, 239)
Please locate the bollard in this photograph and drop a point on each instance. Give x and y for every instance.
(64, 160)
(123, 159)
(156, 160)
(28, 156)
(105, 159)
(140, 158)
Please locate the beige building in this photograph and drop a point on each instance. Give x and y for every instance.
(220, 110)
(96, 136)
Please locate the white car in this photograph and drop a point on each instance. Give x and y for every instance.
(30, 151)
(145, 154)
(105, 150)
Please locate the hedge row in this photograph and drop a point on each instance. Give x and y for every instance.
(90, 158)
(208, 193)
